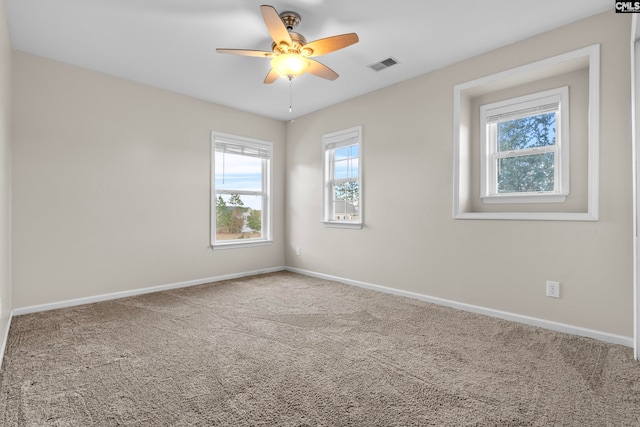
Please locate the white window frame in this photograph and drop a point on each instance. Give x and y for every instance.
(463, 206)
(218, 138)
(331, 142)
(553, 100)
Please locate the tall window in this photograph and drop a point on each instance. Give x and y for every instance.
(343, 178)
(526, 148)
(241, 202)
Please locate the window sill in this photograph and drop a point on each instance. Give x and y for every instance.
(237, 245)
(343, 224)
(527, 216)
(524, 198)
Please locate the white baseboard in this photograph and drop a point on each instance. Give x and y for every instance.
(533, 321)
(123, 294)
(542, 323)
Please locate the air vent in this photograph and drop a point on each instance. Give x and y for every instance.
(386, 63)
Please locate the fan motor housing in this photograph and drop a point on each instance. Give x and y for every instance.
(298, 41)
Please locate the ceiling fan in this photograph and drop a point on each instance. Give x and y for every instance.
(290, 53)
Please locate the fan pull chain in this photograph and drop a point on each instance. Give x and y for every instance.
(290, 95)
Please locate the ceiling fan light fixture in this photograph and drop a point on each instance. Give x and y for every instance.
(290, 53)
(290, 65)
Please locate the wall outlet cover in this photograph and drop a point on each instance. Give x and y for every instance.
(553, 289)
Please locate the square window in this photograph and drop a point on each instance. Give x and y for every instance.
(525, 146)
(579, 70)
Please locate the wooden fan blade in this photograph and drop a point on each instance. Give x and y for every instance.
(330, 44)
(246, 52)
(275, 25)
(321, 70)
(272, 76)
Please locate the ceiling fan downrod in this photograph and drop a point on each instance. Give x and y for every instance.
(290, 19)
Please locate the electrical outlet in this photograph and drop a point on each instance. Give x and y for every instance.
(298, 250)
(553, 289)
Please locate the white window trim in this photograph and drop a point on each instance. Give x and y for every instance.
(461, 96)
(488, 171)
(331, 141)
(267, 205)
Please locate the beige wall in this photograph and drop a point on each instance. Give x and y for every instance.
(410, 241)
(5, 173)
(111, 185)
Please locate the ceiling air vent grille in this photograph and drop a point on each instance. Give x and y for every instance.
(386, 63)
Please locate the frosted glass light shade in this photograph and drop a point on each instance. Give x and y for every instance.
(290, 65)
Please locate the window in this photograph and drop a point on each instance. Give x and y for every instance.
(241, 202)
(580, 71)
(343, 178)
(525, 146)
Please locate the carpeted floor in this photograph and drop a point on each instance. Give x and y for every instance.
(287, 350)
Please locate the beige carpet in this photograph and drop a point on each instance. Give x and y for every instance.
(288, 350)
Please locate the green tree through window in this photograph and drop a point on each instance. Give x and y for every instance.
(526, 173)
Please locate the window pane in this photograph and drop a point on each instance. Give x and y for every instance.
(346, 162)
(341, 169)
(238, 217)
(527, 132)
(350, 151)
(524, 174)
(347, 168)
(238, 172)
(346, 201)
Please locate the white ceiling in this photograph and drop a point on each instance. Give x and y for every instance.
(171, 44)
